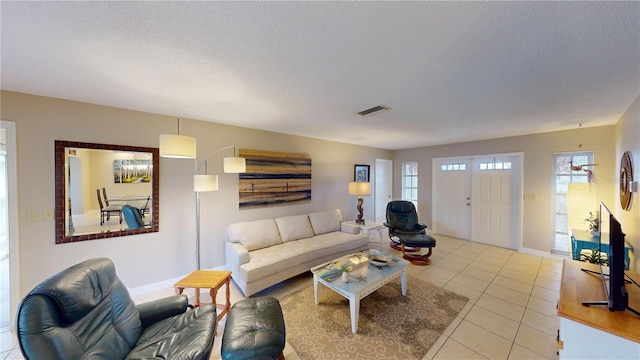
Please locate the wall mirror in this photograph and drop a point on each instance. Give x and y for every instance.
(92, 184)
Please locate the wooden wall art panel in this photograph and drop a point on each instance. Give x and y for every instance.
(274, 178)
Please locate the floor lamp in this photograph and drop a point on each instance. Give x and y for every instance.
(205, 183)
(184, 147)
(360, 189)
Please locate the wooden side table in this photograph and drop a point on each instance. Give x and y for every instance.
(207, 279)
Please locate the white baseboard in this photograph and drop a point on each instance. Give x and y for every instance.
(543, 254)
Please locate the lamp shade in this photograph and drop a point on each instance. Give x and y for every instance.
(202, 183)
(360, 188)
(177, 146)
(234, 165)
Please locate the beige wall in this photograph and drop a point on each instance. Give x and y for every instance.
(628, 139)
(145, 259)
(537, 177)
(149, 258)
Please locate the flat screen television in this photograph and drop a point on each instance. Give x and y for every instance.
(613, 277)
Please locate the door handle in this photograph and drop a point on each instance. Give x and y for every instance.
(468, 204)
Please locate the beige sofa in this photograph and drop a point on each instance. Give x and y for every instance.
(262, 253)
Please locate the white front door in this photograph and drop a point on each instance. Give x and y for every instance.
(495, 200)
(452, 197)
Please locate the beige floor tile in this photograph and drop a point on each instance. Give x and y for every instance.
(480, 274)
(525, 268)
(435, 348)
(508, 294)
(481, 341)
(471, 282)
(537, 341)
(517, 275)
(453, 326)
(440, 271)
(543, 306)
(548, 284)
(463, 290)
(486, 266)
(497, 324)
(513, 284)
(459, 258)
(545, 323)
(495, 262)
(453, 350)
(15, 354)
(432, 278)
(498, 252)
(450, 265)
(520, 353)
(502, 307)
(545, 294)
(526, 258)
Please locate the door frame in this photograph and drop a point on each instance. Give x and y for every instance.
(517, 196)
(12, 221)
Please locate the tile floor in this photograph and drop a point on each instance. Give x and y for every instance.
(511, 312)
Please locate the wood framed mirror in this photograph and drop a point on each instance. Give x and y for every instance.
(92, 184)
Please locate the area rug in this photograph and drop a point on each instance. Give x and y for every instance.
(391, 326)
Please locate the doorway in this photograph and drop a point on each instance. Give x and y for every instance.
(479, 198)
(8, 226)
(384, 188)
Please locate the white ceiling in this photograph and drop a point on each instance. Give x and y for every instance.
(450, 71)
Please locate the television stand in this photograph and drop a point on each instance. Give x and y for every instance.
(581, 325)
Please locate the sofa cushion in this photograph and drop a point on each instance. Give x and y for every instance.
(325, 221)
(294, 227)
(255, 234)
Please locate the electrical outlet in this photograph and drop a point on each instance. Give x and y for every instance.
(32, 215)
(47, 214)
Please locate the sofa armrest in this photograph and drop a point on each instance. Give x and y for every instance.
(156, 310)
(236, 255)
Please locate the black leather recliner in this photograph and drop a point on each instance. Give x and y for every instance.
(85, 312)
(406, 233)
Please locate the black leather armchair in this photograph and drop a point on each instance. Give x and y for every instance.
(85, 312)
(407, 234)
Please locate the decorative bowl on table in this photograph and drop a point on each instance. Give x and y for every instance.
(379, 260)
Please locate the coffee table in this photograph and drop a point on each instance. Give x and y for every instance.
(207, 279)
(364, 279)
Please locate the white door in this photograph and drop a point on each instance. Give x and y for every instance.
(495, 200)
(384, 188)
(452, 197)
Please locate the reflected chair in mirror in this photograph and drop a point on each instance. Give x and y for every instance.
(145, 208)
(133, 217)
(105, 197)
(106, 211)
(407, 234)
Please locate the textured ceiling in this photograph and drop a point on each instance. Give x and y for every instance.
(450, 71)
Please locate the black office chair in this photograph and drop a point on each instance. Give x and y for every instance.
(133, 217)
(407, 234)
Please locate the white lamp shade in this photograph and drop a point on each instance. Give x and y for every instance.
(234, 165)
(203, 183)
(360, 188)
(177, 146)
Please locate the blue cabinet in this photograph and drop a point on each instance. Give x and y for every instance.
(584, 240)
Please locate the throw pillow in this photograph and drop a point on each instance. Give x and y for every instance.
(294, 227)
(325, 221)
(255, 234)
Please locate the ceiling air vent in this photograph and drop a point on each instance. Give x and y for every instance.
(374, 110)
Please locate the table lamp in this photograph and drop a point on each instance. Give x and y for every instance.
(360, 189)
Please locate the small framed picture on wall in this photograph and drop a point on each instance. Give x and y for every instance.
(361, 173)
